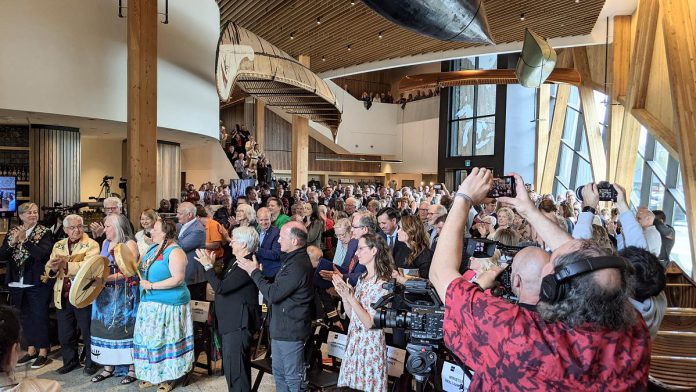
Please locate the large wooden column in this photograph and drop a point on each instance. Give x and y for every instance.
(299, 173)
(680, 46)
(142, 107)
(260, 124)
(621, 58)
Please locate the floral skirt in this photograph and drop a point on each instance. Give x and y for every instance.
(163, 342)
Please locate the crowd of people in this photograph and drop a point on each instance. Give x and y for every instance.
(245, 153)
(372, 97)
(589, 283)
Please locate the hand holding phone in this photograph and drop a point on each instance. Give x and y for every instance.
(503, 187)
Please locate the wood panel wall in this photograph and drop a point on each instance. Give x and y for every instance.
(168, 170)
(55, 165)
(232, 115)
(279, 144)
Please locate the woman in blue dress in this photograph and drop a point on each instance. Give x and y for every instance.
(163, 339)
(114, 311)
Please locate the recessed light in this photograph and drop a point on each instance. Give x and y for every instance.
(380, 34)
(349, 48)
(522, 17)
(292, 35)
(318, 20)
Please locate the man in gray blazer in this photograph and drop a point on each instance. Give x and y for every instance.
(192, 237)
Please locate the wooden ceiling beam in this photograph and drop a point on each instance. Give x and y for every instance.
(680, 48)
(554, 145)
(593, 135)
(639, 73)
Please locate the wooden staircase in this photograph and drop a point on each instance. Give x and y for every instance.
(673, 361)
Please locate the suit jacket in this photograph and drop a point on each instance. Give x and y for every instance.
(37, 247)
(358, 269)
(87, 246)
(236, 298)
(268, 253)
(190, 240)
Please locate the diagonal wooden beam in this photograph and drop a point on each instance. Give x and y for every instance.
(554, 145)
(680, 47)
(620, 60)
(593, 134)
(542, 131)
(661, 132)
(639, 73)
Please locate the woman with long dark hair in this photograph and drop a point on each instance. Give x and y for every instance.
(314, 224)
(419, 255)
(364, 365)
(163, 336)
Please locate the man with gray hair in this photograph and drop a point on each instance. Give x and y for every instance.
(192, 237)
(69, 317)
(434, 211)
(291, 300)
(112, 205)
(351, 205)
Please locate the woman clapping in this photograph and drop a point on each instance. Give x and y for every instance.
(365, 363)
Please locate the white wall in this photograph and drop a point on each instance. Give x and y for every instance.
(206, 163)
(69, 57)
(100, 157)
(520, 132)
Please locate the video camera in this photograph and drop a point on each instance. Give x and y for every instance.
(423, 320)
(484, 248)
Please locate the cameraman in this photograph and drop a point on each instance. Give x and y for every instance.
(586, 337)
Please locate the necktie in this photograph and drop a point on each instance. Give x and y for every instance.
(391, 241)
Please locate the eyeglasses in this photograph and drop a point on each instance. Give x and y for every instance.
(71, 228)
(114, 208)
(357, 227)
(362, 247)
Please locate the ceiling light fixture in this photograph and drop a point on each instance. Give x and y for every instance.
(380, 34)
(352, 2)
(318, 20)
(522, 17)
(323, 58)
(292, 35)
(349, 48)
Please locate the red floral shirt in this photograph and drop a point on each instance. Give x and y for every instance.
(510, 348)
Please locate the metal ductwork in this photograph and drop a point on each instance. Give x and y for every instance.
(447, 20)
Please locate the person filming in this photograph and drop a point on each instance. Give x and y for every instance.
(585, 335)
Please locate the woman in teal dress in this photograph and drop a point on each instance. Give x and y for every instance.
(163, 337)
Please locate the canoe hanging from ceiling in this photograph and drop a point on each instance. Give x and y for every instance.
(447, 20)
(480, 76)
(271, 75)
(536, 61)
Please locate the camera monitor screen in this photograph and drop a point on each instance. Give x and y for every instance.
(8, 195)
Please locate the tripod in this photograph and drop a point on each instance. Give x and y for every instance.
(105, 188)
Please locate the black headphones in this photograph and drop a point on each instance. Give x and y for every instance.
(554, 287)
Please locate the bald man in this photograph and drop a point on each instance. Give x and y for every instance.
(526, 275)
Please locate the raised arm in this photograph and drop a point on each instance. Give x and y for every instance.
(445, 265)
(548, 230)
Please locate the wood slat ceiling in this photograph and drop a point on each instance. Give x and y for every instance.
(343, 24)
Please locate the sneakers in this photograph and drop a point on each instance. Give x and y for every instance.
(26, 359)
(40, 362)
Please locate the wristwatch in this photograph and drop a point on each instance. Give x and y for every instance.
(589, 209)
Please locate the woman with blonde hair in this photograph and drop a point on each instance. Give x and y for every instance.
(143, 237)
(245, 215)
(505, 217)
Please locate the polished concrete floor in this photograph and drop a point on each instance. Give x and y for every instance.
(78, 381)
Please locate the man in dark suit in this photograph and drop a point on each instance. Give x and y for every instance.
(268, 253)
(192, 237)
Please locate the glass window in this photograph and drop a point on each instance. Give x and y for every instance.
(637, 178)
(554, 90)
(565, 164)
(485, 105)
(552, 104)
(680, 184)
(584, 175)
(488, 62)
(681, 252)
(600, 107)
(661, 156)
(463, 133)
(657, 193)
(574, 100)
(485, 136)
(570, 127)
(584, 151)
(463, 101)
(643, 140)
(558, 187)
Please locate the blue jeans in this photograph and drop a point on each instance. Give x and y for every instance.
(288, 365)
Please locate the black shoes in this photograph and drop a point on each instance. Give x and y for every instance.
(68, 367)
(40, 362)
(26, 359)
(90, 370)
